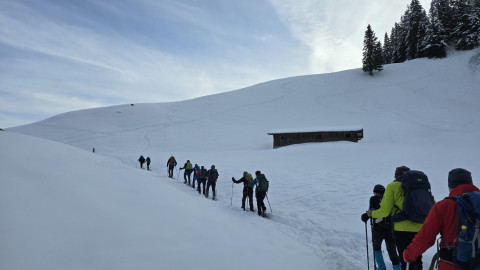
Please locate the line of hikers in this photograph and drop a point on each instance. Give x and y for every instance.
(406, 216)
(210, 177)
(142, 161)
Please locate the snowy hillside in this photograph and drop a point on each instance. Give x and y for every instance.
(67, 208)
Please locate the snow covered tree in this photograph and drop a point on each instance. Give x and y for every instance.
(465, 33)
(435, 42)
(397, 38)
(387, 49)
(372, 52)
(442, 14)
(416, 23)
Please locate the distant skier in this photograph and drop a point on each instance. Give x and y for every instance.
(248, 184)
(260, 192)
(212, 176)
(196, 175)
(171, 163)
(148, 163)
(188, 171)
(141, 159)
(202, 179)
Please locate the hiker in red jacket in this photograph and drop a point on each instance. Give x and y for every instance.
(171, 163)
(442, 219)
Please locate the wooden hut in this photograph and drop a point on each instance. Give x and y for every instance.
(283, 138)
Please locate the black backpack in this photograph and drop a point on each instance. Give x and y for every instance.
(213, 175)
(418, 199)
(262, 183)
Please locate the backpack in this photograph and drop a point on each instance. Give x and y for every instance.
(203, 173)
(188, 166)
(467, 252)
(197, 172)
(262, 183)
(213, 174)
(418, 199)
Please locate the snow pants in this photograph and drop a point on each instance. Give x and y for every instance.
(378, 235)
(402, 240)
(170, 170)
(260, 204)
(186, 175)
(201, 181)
(247, 191)
(213, 184)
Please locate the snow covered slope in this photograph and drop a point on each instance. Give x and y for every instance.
(422, 114)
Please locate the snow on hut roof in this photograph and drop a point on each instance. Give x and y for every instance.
(314, 129)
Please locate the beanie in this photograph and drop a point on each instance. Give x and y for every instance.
(379, 189)
(458, 177)
(400, 170)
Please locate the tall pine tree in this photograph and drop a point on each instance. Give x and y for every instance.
(466, 31)
(416, 22)
(372, 52)
(387, 49)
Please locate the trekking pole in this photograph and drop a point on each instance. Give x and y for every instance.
(268, 203)
(231, 199)
(366, 240)
(178, 173)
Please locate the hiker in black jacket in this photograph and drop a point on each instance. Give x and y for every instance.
(260, 192)
(382, 230)
(202, 179)
(212, 176)
(141, 159)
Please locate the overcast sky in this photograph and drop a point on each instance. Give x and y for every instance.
(63, 55)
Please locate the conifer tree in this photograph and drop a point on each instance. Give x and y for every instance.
(416, 22)
(466, 31)
(387, 49)
(435, 43)
(442, 14)
(372, 52)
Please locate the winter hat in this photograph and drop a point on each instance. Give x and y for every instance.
(458, 177)
(379, 189)
(399, 171)
(258, 172)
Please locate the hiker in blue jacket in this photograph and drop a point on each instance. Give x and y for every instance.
(196, 175)
(248, 184)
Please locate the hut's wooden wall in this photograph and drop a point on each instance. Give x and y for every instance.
(283, 139)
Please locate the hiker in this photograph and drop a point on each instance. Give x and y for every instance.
(248, 184)
(202, 179)
(148, 163)
(141, 159)
(212, 176)
(442, 219)
(392, 203)
(188, 171)
(381, 230)
(171, 163)
(260, 192)
(196, 175)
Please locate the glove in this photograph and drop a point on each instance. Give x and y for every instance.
(233, 179)
(365, 217)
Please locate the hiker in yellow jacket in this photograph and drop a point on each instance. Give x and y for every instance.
(405, 230)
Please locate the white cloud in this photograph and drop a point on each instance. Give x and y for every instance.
(334, 29)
